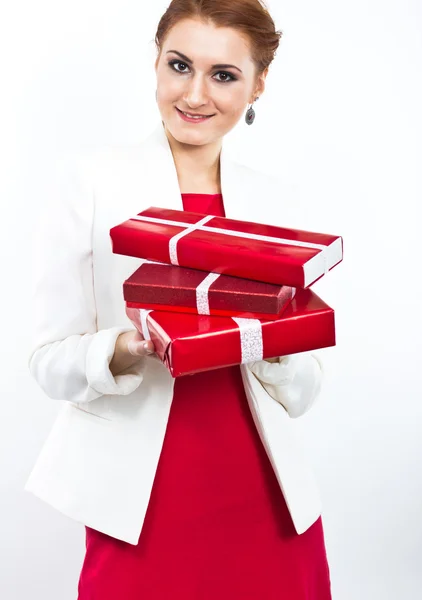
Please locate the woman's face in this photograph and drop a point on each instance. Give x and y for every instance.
(207, 71)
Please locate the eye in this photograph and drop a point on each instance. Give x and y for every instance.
(182, 66)
(226, 77)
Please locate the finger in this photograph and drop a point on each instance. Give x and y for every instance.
(138, 337)
(140, 348)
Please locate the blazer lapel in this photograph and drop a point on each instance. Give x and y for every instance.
(164, 183)
(160, 172)
(233, 187)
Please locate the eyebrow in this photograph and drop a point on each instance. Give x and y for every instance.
(218, 66)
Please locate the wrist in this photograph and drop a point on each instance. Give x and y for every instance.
(122, 358)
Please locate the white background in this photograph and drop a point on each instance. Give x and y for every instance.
(340, 122)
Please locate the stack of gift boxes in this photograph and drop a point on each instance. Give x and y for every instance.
(214, 292)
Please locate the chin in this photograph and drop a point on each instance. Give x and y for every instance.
(193, 138)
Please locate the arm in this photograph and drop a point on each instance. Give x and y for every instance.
(69, 357)
(294, 380)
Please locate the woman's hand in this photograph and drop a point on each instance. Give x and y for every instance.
(130, 347)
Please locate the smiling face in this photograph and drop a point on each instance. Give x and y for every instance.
(207, 72)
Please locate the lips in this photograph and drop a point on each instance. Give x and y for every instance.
(193, 116)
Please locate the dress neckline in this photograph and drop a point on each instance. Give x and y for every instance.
(199, 194)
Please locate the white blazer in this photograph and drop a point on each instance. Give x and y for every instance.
(97, 465)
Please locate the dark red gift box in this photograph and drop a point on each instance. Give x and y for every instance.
(189, 343)
(220, 245)
(179, 289)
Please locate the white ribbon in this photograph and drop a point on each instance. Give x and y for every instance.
(251, 343)
(143, 316)
(251, 236)
(202, 298)
(189, 228)
(252, 346)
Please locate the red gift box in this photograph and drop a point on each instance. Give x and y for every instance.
(179, 289)
(192, 343)
(240, 248)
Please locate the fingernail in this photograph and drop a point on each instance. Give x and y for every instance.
(146, 348)
(132, 348)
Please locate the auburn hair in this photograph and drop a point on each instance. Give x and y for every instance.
(249, 17)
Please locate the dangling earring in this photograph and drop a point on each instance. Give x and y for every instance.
(250, 113)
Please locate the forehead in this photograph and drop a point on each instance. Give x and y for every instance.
(205, 43)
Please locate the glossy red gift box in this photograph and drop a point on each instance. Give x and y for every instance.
(189, 343)
(244, 249)
(180, 289)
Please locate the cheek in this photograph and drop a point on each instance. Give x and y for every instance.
(168, 93)
(233, 103)
(168, 86)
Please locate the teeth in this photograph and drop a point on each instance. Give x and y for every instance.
(194, 116)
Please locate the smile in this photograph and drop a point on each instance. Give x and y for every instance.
(191, 117)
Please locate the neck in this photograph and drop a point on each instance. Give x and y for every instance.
(198, 167)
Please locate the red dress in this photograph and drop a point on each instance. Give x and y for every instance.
(217, 525)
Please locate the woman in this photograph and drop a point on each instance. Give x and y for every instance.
(190, 488)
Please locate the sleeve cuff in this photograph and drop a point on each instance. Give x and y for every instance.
(294, 382)
(98, 359)
(277, 373)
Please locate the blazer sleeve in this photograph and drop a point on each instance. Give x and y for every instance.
(69, 358)
(294, 381)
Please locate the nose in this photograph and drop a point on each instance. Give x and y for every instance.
(196, 93)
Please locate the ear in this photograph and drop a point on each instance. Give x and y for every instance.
(260, 85)
(156, 62)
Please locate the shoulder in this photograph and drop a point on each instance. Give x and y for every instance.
(115, 160)
(265, 180)
(273, 196)
(106, 163)
(255, 176)
(248, 177)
